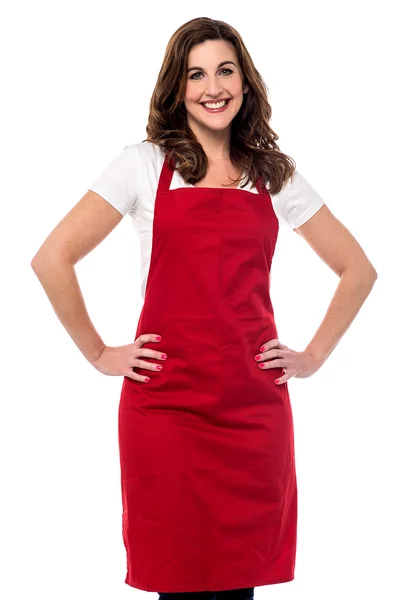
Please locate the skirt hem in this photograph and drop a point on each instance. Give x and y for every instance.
(202, 588)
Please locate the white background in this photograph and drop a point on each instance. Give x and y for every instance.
(77, 78)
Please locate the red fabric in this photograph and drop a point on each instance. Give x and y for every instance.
(207, 446)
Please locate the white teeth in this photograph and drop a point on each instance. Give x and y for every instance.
(215, 105)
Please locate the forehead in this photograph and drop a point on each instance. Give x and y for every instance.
(211, 52)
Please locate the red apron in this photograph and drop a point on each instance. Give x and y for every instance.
(207, 446)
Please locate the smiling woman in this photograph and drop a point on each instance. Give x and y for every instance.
(205, 426)
(206, 62)
(212, 413)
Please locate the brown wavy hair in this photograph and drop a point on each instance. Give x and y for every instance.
(253, 148)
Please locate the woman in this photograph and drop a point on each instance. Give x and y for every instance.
(205, 424)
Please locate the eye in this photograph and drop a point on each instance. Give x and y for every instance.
(199, 73)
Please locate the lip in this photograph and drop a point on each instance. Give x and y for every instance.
(214, 111)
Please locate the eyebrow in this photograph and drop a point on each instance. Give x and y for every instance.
(225, 62)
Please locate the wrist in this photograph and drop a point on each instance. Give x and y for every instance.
(92, 358)
(316, 355)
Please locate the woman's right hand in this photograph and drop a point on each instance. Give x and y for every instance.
(120, 360)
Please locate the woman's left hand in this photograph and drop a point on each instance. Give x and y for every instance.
(295, 364)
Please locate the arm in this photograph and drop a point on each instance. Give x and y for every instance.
(337, 247)
(79, 232)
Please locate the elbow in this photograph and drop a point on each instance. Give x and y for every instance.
(34, 263)
(37, 263)
(363, 271)
(40, 262)
(374, 273)
(368, 274)
(371, 271)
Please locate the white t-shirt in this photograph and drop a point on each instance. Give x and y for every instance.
(130, 181)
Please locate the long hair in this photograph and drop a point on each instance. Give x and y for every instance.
(253, 148)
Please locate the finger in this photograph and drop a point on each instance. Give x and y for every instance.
(144, 338)
(272, 364)
(275, 343)
(143, 364)
(153, 353)
(282, 379)
(269, 344)
(136, 377)
(275, 352)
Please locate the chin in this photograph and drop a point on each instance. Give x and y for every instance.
(218, 123)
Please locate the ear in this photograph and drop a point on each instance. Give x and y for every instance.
(245, 89)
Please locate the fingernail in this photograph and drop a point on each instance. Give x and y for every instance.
(164, 356)
(257, 357)
(159, 367)
(261, 364)
(158, 337)
(262, 348)
(277, 381)
(147, 379)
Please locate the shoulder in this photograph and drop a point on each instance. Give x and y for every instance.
(129, 175)
(146, 152)
(297, 201)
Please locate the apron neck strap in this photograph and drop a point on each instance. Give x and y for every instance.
(167, 174)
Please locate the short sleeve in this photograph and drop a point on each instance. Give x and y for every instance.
(120, 182)
(297, 201)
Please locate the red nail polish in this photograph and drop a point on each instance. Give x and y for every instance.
(158, 337)
(262, 348)
(147, 379)
(257, 357)
(261, 364)
(277, 381)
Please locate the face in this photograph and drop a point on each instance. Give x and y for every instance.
(211, 81)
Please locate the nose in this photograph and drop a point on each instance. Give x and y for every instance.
(213, 87)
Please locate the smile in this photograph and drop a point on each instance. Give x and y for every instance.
(216, 106)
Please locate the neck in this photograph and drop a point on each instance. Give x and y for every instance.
(216, 144)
